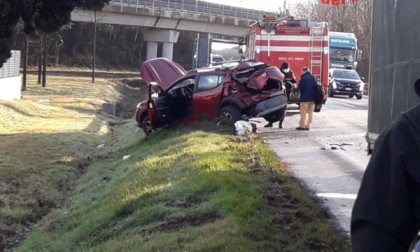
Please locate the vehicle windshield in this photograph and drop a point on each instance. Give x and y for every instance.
(346, 75)
(342, 54)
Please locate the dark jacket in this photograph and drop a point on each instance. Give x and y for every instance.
(307, 87)
(386, 214)
(290, 76)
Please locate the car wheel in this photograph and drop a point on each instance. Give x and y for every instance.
(229, 115)
(351, 96)
(359, 97)
(147, 126)
(330, 92)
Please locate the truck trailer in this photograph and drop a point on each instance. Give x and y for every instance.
(394, 79)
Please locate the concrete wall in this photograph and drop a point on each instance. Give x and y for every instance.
(10, 88)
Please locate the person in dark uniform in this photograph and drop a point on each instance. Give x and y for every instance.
(289, 80)
(386, 214)
(289, 77)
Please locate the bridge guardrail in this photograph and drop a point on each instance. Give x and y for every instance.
(193, 6)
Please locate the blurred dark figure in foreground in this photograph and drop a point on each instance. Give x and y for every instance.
(386, 214)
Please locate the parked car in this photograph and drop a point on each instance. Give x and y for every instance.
(345, 82)
(239, 91)
(217, 60)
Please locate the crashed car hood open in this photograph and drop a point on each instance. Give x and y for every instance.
(162, 71)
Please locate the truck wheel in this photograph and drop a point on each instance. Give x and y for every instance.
(229, 115)
(359, 97)
(351, 96)
(147, 126)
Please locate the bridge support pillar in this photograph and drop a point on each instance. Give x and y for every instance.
(155, 36)
(152, 48)
(167, 50)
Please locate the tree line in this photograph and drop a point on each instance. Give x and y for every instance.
(354, 17)
(42, 16)
(117, 46)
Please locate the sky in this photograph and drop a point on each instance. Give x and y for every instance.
(266, 5)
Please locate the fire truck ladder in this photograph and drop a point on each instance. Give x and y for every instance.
(317, 48)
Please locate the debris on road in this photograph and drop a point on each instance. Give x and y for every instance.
(335, 146)
(243, 128)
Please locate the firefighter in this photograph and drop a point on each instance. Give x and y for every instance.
(289, 77)
(289, 80)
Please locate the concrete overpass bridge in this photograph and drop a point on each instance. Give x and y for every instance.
(166, 18)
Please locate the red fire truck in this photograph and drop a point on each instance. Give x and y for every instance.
(298, 42)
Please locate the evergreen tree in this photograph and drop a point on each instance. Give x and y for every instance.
(45, 16)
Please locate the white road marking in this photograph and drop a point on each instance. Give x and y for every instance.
(338, 195)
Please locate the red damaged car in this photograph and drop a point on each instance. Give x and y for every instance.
(239, 91)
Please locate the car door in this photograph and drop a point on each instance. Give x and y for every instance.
(173, 104)
(207, 95)
(179, 99)
(157, 108)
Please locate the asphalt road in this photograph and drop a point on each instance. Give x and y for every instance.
(330, 158)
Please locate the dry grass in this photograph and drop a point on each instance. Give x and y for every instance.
(45, 145)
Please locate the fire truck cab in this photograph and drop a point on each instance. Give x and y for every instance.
(275, 40)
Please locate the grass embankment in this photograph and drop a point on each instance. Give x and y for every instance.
(47, 140)
(189, 189)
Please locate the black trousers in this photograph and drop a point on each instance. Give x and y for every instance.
(288, 86)
(276, 116)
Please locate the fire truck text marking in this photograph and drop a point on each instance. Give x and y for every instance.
(336, 2)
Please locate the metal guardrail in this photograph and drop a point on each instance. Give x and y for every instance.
(195, 7)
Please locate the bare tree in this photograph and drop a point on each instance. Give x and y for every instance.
(354, 17)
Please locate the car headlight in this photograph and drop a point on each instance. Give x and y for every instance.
(362, 86)
(335, 84)
(138, 105)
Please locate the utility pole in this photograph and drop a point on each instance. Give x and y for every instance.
(196, 50)
(40, 58)
(44, 62)
(94, 50)
(25, 62)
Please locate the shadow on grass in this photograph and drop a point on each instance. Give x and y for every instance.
(19, 111)
(39, 170)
